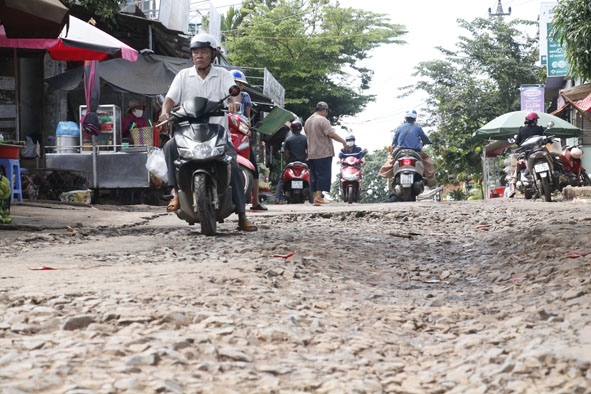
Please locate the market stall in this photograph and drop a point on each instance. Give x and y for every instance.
(106, 160)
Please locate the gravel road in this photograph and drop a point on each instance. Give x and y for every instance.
(428, 297)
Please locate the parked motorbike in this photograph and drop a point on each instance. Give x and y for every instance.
(541, 175)
(408, 181)
(350, 181)
(573, 170)
(203, 169)
(296, 182)
(240, 134)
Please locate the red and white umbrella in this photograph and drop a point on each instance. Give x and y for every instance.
(79, 41)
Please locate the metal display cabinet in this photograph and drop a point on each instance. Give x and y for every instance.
(110, 129)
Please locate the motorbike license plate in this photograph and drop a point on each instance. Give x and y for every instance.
(540, 167)
(406, 179)
(297, 184)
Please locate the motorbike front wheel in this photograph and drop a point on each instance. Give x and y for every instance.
(585, 179)
(248, 178)
(205, 209)
(350, 194)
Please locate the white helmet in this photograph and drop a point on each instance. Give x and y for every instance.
(576, 152)
(411, 114)
(203, 40)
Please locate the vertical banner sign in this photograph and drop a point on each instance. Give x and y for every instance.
(546, 13)
(557, 65)
(532, 98)
(273, 89)
(215, 24)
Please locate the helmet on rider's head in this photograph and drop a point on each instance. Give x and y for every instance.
(576, 152)
(238, 76)
(296, 126)
(531, 116)
(350, 140)
(411, 114)
(203, 40)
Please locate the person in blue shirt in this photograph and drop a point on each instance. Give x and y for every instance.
(410, 135)
(351, 149)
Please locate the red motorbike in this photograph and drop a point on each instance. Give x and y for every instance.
(351, 179)
(572, 166)
(240, 133)
(296, 182)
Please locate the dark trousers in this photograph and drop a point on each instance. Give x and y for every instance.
(320, 174)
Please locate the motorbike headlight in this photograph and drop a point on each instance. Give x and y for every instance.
(202, 150)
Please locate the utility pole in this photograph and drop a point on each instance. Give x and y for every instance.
(499, 11)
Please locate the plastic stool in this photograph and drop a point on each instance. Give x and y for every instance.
(13, 172)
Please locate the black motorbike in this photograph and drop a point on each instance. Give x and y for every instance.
(203, 169)
(408, 181)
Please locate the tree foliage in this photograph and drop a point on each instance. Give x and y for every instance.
(472, 85)
(106, 10)
(313, 48)
(571, 27)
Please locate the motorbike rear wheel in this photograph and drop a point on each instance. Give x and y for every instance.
(546, 190)
(407, 195)
(205, 208)
(585, 179)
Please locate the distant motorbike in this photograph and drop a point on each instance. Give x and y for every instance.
(203, 169)
(296, 182)
(350, 182)
(408, 181)
(240, 134)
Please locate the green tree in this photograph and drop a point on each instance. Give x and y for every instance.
(313, 48)
(106, 10)
(474, 83)
(571, 27)
(373, 187)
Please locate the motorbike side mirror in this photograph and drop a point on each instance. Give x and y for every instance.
(234, 90)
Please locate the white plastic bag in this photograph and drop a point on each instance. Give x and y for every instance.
(156, 164)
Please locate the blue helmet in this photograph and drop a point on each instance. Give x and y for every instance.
(238, 76)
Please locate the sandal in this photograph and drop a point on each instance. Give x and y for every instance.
(258, 207)
(246, 225)
(173, 205)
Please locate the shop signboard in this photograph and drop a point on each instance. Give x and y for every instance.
(532, 98)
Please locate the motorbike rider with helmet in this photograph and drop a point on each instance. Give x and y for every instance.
(295, 149)
(351, 149)
(243, 109)
(245, 100)
(410, 135)
(214, 83)
(529, 128)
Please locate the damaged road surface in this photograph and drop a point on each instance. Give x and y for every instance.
(426, 297)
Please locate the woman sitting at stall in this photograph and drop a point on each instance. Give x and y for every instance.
(133, 120)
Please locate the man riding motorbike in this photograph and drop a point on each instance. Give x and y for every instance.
(204, 80)
(410, 135)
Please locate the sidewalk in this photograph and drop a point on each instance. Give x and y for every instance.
(48, 215)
